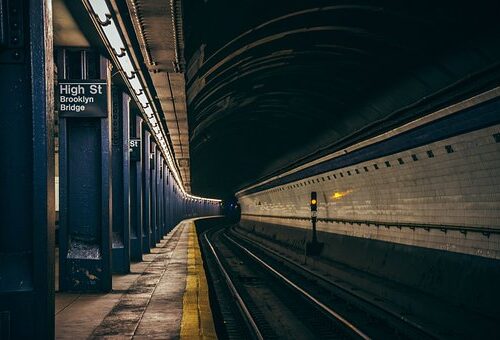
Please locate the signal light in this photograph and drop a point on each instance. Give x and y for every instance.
(314, 201)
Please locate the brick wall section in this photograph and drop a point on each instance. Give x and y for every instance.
(457, 184)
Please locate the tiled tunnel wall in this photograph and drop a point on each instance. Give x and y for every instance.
(452, 182)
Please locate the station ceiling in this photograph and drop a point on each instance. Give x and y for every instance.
(272, 84)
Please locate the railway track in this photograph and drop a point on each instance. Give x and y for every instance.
(276, 298)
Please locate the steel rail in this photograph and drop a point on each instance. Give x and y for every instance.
(413, 324)
(241, 304)
(321, 305)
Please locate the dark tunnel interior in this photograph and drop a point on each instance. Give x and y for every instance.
(270, 87)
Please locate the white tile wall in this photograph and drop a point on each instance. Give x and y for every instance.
(460, 188)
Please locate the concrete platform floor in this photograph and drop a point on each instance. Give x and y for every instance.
(164, 297)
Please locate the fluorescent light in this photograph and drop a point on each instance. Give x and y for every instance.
(136, 85)
(114, 38)
(117, 48)
(143, 100)
(101, 10)
(126, 65)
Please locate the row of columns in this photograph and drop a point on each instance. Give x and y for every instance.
(117, 199)
(115, 205)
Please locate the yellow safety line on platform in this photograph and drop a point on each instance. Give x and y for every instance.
(197, 322)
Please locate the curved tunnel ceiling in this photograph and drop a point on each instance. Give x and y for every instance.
(273, 84)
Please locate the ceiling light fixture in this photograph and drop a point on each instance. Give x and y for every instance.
(103, 20)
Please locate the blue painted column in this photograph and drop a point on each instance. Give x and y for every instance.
(177, 211)
(146, 186)
(165, 198)
(159, 191)
(27, 173)
(136, 196)
(174, 203)
(154, 219)
(162, 196)
(170, 219)
(157, 194)
(120, 182)
(179, 206)
(84, 180)
(168, 216)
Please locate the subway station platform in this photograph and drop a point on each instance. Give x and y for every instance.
(164, 297)
(352, 147)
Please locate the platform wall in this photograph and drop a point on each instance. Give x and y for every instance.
(454, 181)
(470, 281)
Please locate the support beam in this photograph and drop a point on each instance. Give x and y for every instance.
(161, 199)
(154, 217)
(146, 193)
(84, 179)
(166, 181)
(27, 210)
(170, 220)
(157, 194)
(136, 201)
(121, 181)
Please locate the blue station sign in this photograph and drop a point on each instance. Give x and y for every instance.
(135, 149)
(82, 98)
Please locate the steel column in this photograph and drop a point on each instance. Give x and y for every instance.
(157, 194)
(170, 198)
(120, 181)
(27, 208)
(168, 216)
(136, 218)
(165, 199)
(146, 193)
(160, 197)
(85, 202)
(154, 219)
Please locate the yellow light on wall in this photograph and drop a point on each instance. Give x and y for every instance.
(339, 194)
